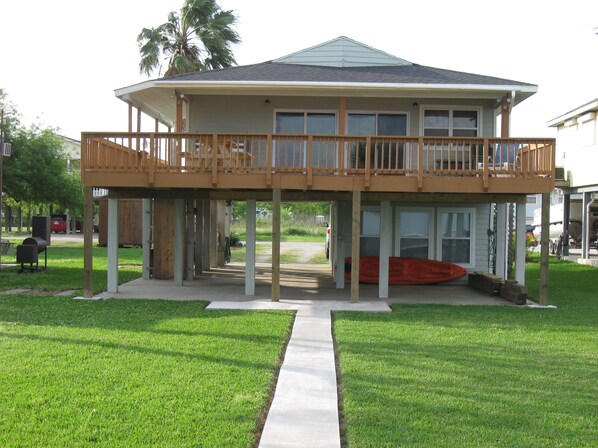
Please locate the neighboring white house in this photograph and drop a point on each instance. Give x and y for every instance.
(577, 156)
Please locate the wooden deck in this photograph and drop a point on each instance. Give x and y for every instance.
(317, 163)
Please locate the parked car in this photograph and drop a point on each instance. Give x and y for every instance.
(58, 223)
(327, 243)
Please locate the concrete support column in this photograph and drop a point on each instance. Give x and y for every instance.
(355, 240)
(113, 231)
(87, 243)
(276, 199)
(179, 241)
(189, 239)
(146, 235)
(544, 241)
(585, 226)
(501, 240)
(250, 228)
(520, 249)
(199, 242)
(385, 243)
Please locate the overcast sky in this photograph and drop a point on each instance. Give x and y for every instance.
(61, 60)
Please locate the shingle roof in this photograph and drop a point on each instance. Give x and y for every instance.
(405, 74)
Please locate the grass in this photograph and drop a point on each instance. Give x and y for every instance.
(475, 376)
(65, 269)
(134, 373)
(291, 234)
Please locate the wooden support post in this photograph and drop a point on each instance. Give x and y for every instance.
(250, 227)
(520, 249)
(179, 241)
(199, 241)
(544, 241)
(130, 117)
(339, 244)
(385, 243)
(276, 244)
(355, 239)
(113, 231)
(505, 118)
(501, 240)
(189, 239)
(566, 219)
(213, 234)
(87, 243)
(146, 243)
(221, 223)
(205, 255)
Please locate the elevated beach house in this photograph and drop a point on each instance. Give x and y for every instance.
(417, 162)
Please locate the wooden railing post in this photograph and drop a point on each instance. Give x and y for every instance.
(485, 165)
(420, 164)
(310, 161)
(269, 152)
(152, 160)
(215, 157)
(368, 142)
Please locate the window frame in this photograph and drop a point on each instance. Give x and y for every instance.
(431, 226)
(471, 238)
(451, 110)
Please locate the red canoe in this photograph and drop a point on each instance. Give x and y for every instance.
(406, 271)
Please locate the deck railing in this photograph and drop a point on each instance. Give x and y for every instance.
(315, 155)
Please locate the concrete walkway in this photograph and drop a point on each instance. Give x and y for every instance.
(304, 412)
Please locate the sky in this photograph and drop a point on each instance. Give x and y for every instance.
(61, 60)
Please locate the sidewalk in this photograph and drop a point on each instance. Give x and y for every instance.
(304, 412)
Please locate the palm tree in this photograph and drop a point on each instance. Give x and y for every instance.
(196, 38)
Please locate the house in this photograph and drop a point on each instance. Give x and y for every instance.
(409, 156)
(576, 161)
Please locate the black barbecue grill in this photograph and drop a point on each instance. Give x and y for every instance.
(28, 252)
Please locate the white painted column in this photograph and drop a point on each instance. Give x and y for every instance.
(520, 249)
(501, 240)
(385, 242)
(190, 239)
(585, 226)
(146, 244)
(355, 241)
(179, 241)
(250, 228)
(113, 231)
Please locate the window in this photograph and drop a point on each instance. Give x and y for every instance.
(293, 153)
(369, 244)
(456, 236)
(450, 123)
(390, 155)
(531, 199)
(414, 230)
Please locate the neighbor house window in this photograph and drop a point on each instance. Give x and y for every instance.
(451, 123)
(456, 236)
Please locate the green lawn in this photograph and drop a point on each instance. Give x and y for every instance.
(449, 376)
(65, 269)
(134, 373)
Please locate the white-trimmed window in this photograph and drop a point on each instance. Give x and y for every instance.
(456, 236)
(451, 122)
(414, 233)
(370, 232)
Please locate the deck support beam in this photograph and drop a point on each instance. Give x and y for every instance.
(250, 227)
(189, 239)
(213, 250)
(520, 249)
(179, 241)
(585, 225)
(199, 242)
(385, 242)
(544, 241)
(146, 243)
(112, 251)
(276, 244)
(87, 244)
(337, 233)
(355, 239)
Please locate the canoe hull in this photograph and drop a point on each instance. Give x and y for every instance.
(406, 271)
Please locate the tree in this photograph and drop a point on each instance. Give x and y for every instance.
(198, 37)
